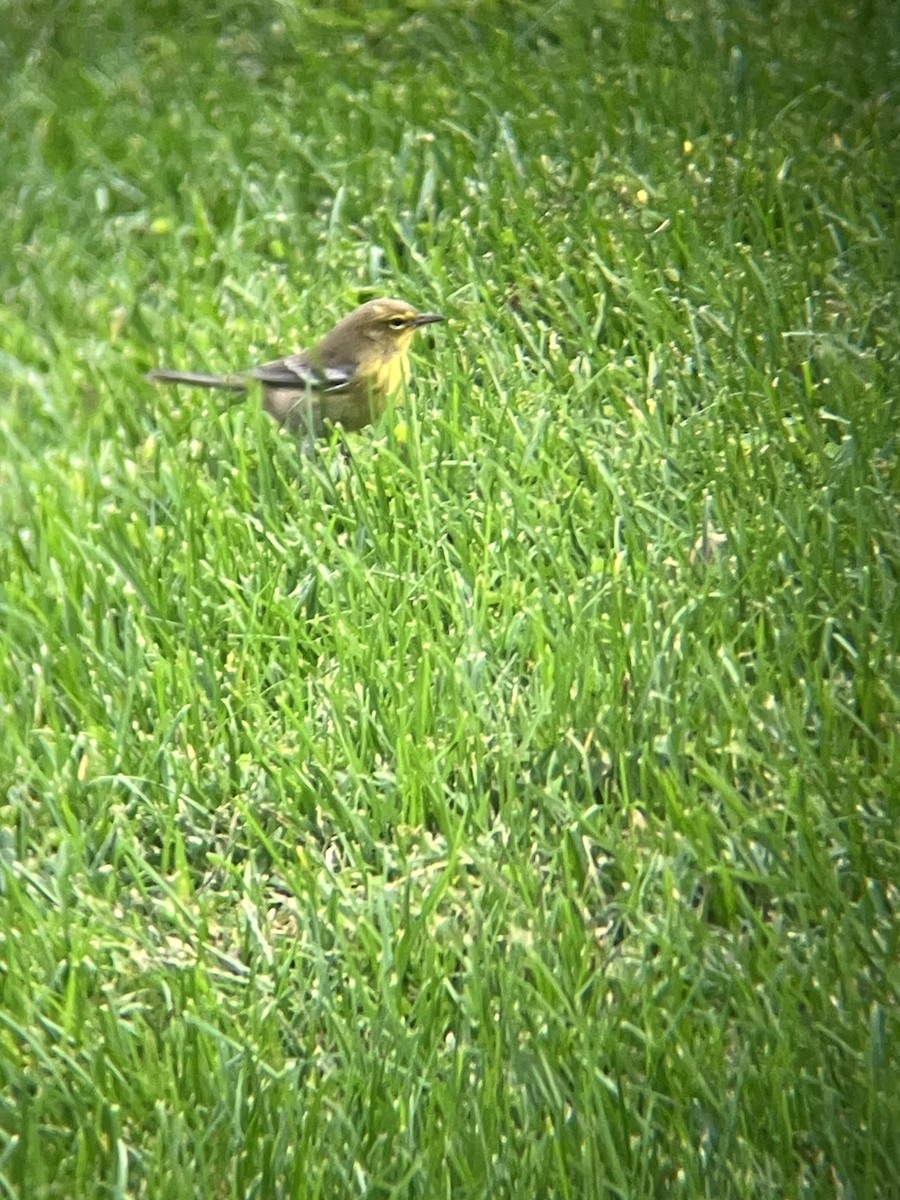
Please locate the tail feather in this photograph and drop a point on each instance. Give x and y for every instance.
(227, 383)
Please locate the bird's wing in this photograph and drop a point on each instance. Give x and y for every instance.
(298, 371)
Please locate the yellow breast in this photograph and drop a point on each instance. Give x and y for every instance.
(392, 375)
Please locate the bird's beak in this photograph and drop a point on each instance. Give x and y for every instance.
(427, 319)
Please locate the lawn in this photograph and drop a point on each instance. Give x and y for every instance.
(503, 801)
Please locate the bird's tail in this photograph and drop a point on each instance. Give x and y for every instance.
(227, 383)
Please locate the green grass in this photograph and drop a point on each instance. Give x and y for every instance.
(425, 821)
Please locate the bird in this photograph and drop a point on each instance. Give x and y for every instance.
(345, 379)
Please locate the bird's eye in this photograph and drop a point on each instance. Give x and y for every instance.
(397, 323)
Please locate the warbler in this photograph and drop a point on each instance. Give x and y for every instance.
(345, 379)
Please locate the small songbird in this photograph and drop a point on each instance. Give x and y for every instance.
(343, 380)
